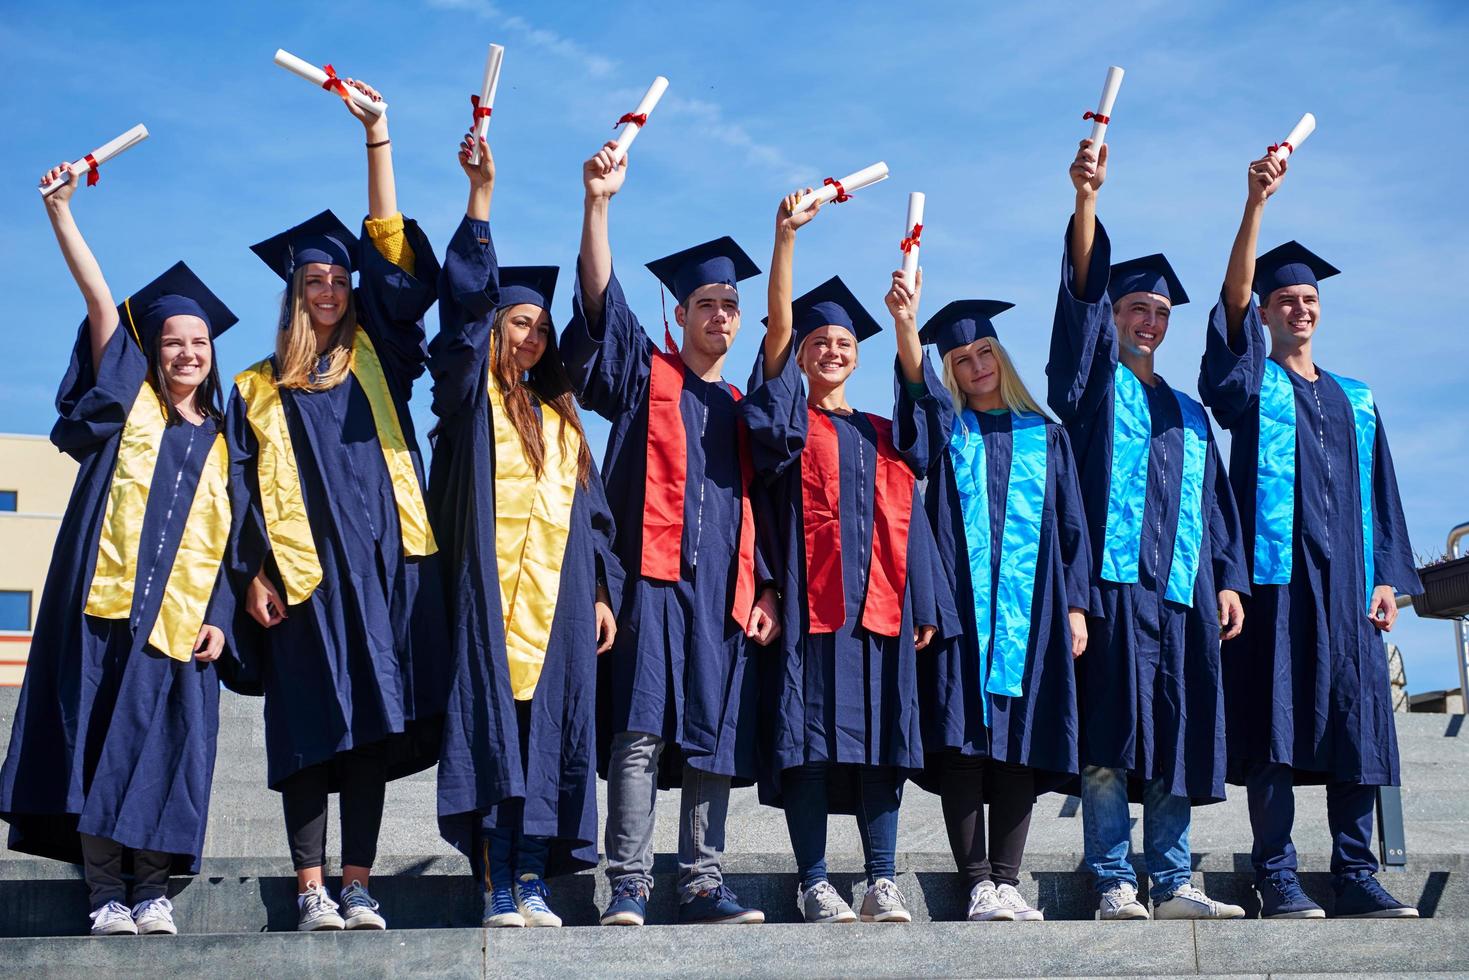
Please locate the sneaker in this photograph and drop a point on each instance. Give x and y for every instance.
(530, 898)
(1188, 902)
(985, 904)
(501, 911)
(884, 903)
(1011, 899)
(629, 905)
(113, 919)
(717, 906)
(361, 910)
(1281, 897)
(317, 910)
(154, 917)
(1362, 897)
(1120, 903)
(820, 903)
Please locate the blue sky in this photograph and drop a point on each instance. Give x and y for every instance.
(977, 105)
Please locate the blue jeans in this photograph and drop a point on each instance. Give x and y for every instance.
(506, 852)
(879, 794)
(1349, 811)
(1108, 832)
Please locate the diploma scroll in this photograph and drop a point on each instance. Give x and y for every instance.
(89, 163)
(841, 190)
(485, 101)
(1297, 136)
(328, 80)
(1103, 114)
(912, 231)
(633, 122)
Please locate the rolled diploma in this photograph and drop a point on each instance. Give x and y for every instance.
(102, 154)
(1297, 136)
(317, 77)
(1104, 107)
(865, 177)
(915, 218)
(630, 130)
(487, 97)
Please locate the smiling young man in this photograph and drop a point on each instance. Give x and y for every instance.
(1306, 685)
(678, 694)
(1170, 567)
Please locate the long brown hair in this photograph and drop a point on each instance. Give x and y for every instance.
(548, 382)
(295, 342)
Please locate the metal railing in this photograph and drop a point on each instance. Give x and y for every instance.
(1461, 652)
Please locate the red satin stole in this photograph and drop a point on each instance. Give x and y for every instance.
(821, 486)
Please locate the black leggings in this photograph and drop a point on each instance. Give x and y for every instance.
(362, 780)
(102, 861)
(965, 784)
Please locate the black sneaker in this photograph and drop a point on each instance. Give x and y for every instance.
(1281, 897)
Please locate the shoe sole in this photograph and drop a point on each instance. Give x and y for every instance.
(116, 932)
(159, 931)
(542, 923)
(844, 918)
(1382, 914)
(320, 926)
(1131, 917)
(622, 919)
(1034, 915)
(898, 918)
(1183, 917)
(505, 920)
(1303, 914)
(1004, 915)
(370, 926)
(743, 919)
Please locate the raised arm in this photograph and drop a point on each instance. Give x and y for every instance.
(902, 302)
(1265, 176)
(101, 310)
(778, 327)
(602, 179)
(1088, 173)
(382, 193)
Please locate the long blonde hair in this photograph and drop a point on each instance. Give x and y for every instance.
(1013, 393)
(295, 343)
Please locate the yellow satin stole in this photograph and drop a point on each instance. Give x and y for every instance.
(532, 523)
(195, 569)
(286, 523)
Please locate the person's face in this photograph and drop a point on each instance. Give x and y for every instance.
(527, 333)
(1292, 314)
(185, 352)
(710, 318)
(1142, 322)
(976, 368)
(326, 290)
(828, 355)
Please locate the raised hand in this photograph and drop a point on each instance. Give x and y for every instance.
(371, 121)
(902, 300)
(482, 173)
(600, 176)
(63, 193)
(1265, 176)
(1089, 168)
(786, 219)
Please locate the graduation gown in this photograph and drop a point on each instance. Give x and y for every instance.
(843, 693)
(365, 657)
(1306, 683)
(112, 737)
(480, 765)
(1038, 728)
(680, 665)
(1150, 681)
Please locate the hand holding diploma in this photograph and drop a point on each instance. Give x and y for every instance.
(912, 231)
(89, 162)
(328, 80)
(1103, 114)
(484, 103)
(841, 190)
(633, 122)
(1297, 136)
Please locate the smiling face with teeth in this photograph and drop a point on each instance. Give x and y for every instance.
(1292, 314)
(1142, 322)
(327, 288)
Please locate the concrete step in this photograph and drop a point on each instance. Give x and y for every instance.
(1071, 949)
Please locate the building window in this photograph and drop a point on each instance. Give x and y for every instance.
(8, 500)
(15, 611)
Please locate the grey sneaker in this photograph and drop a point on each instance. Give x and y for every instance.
(316, 910)
(360, 910)
(884, 903)
(1188, 902)
(1120, 903)
(1011, 899)
(154, 917)
(985, 904)
(113, 919)
(820, 903)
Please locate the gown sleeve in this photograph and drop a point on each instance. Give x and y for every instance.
(249, 546)
(92, 403)
(1071, 529)
(933, 603)
(604, 531)
(1392, 553)
(609, 361)
(469, 293)
(774, 411)
(397, 285)
(1083, 354)
(1226, 536)
(921, 423)
(1231, 371)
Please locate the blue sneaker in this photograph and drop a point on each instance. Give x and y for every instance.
(501, 911)
(717, 906)
(1361, 897)
(1281, 897)
(629, 905)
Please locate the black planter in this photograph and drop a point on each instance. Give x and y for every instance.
(1445, 590)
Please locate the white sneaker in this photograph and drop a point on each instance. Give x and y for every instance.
(1188, 902)
(154, 916)
(113, 919)
(316, 911)
(821, 904)
(1120, 903)
(882, 902)
(360, 910)
(985, 904)
(530, 901)
(1011, 899)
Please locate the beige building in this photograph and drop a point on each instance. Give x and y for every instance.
(35, 484)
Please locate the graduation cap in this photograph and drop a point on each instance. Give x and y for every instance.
(1149, 274)
(1291, 264)
(322, 238)
(534, 284)
(178, 292)
(719, 261)
(962, 322)
(831, 304)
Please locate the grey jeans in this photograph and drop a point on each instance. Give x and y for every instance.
(632, 797)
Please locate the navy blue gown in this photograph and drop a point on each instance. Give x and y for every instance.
(480, 766)
(365, 658)
(111, 737)
(1152, 695)
(680, 667)
(850, 696)
(1306, 683)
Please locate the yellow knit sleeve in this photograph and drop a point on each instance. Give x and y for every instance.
(391, 241)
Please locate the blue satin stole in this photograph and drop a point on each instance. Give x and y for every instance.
(1127, 491)
(1003, 628)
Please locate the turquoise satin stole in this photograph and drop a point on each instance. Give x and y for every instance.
(1127, 492)
(1275, 484)
(1004, 628)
